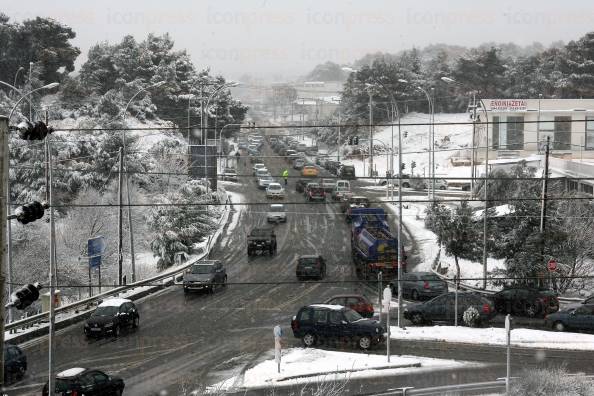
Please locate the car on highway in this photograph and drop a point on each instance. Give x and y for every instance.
(525, 301)
(290, 155)
(310, 266)
(320, 322)
(356, 302)
(332, 166)
(314, 192)
(275, 191)
(347, 204)
(277, 213)
(341, 190)
(442, 309)
(261, 240)
(300, 185)
(229, 174)
(302, 147)
(15, 363)
(110, 317)
(205, 275)
(580, 318)
(258, 166)
(421, 285)
(328, 185)
(265, 181)
(85, 382)
(309, 171)
(298, 163)
(346, 172)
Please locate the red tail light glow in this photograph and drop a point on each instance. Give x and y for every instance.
(426, 285)
(486, 308)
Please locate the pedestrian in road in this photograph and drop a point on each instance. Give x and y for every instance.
(286, 175)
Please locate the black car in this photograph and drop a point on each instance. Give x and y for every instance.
(301, 184)
(421, 285)
(347, 172)
(322, 322)
(205, 275)
(525, 301)
(15, 363)
(312, 266)
(262, 240)
(111, 316)
(442, 309)
(578, 319)
(87, 382)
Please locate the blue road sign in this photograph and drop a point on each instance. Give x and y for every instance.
(96, 248)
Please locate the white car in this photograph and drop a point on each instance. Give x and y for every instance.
(258, 166)
(275, 190)
(276, 213)
(264, 181)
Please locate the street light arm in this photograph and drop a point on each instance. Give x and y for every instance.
(138, 93)
(20, 93)
(27, 96)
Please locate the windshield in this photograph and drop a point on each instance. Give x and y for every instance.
(274, 187)
(277, 209)
(352, 316)
(106, 311)
(202, 269)
(308, 260)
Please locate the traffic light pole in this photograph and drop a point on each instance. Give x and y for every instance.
(52, 279)
(120, 219)
(3, 220)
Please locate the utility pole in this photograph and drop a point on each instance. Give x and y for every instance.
(543, 208)
(472, 173)
(4, 138)
(120, 218)
(370, 134)
(486, 187)
(338, 145)
(51, 280)
(30, 89)
(433, 142)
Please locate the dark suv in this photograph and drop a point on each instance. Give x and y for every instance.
(421, 285)
(525, 301)
(15, 363)
(111, 316)
(442, 309)
(310, 267)
(205, 276)
(81, 381)
(321, 322)
(261, 240)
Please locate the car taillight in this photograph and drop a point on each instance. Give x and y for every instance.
(426, 285)
(369, 307)
(294, 324)
(486, 308)
(74, 393)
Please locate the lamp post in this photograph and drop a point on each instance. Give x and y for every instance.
(368, 85)
(130, 228)
(486, 184)
(220, 149)
(538, 126)
(17, 74)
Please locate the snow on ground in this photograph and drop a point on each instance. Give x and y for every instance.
(416, 145)
(308, 365)
(527, 338)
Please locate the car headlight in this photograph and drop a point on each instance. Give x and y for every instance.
(109, 324)
(376, 330)
(87, 326)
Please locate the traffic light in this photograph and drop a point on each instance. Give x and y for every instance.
(30, 212)
(350, 140)
(413, 165)
(25, 296)
(405, 133)
(402, 166)
(37, 131)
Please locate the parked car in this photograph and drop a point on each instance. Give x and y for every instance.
(525, 301)
(424, 184)
(315, 193)
(298, 163)
(87, 382)
(310, 266)
(309, 171)
(110, 317)
(441, 309)
(205, 275)
(275, 190)
(276, 213)
(15, 363)
(356, 302)
(230, 174)
(265, 181)
(302, 147)
(300, 185)
(328, 185)
(346, 172)
(421, 285)
(579, 319)
(318, 322)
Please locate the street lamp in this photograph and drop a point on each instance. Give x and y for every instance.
(220, 149)
(17, 74)
(130, 228)
(48, 86)
(485, 186)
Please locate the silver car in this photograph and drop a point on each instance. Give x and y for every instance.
(276, 213)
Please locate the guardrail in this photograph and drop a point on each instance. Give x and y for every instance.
(445, 389)
(171, 273)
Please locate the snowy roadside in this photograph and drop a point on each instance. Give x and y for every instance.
(135, 293)
(311, 366)
(525, 338)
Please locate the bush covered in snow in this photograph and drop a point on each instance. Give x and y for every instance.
(551, 382)
(471, 317)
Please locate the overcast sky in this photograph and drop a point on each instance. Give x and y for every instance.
(268, 38)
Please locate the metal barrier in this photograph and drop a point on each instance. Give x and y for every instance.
(440, 390)
(172, 273)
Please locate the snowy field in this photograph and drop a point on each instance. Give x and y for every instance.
(526, 338)
(308, 365)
